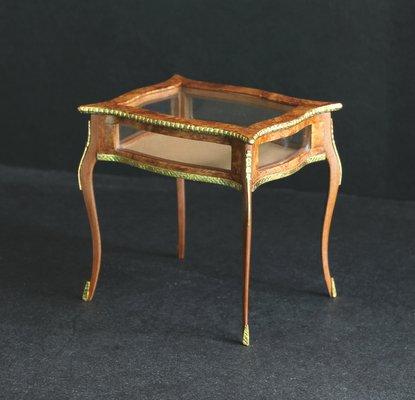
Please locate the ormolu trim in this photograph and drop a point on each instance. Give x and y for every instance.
(248, 168)
(159, 122)
(283, 174)
(333, 293)
(206, 129)
(288, 124)
(85, 294)
(169, 172)
(245, 336)
(83, 155)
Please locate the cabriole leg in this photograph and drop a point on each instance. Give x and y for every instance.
(246, 253)
(335, 181)
(85, 177)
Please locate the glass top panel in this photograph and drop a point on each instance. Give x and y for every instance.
(231, 108)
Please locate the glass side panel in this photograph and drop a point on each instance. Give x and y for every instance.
(281, 150)
(229, 108)
(127, 132)
(162, 106)
(206, 154)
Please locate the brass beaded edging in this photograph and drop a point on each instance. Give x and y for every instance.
(248, 168)
(160, 122)
(88, 139)
(168, 172)
(206, 129)
(295, 121)
(205, 178)
(283, 174)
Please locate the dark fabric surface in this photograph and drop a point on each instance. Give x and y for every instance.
(58, 54)
(163, 329)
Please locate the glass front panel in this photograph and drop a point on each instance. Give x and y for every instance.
(229, 108)
(281, 150)
(195, 152)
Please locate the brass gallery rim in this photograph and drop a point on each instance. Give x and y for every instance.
(206, 129)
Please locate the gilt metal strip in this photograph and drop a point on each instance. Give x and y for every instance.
(85, 293)
(206, 129)
(88, 140)
(245, 336)
(159, 122)
(169, 172)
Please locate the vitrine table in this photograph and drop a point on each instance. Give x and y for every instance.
(228, 135)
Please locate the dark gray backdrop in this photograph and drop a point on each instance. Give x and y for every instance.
(59, 54)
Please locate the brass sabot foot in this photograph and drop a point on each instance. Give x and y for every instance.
(85, 294)
(245, 336)
(333, 292)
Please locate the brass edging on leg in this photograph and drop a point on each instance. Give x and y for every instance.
(88, 140)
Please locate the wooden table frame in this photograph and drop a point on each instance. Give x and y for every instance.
(245, 174)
